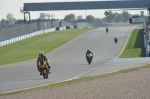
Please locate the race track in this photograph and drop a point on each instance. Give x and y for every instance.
(68, 62)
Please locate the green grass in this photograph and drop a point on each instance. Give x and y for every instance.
(29, 48)
(135, 45)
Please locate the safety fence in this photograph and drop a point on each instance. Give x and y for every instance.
(146, 40)
(8, 32)
(15, 39)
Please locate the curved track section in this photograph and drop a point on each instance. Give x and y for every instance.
(68, 62)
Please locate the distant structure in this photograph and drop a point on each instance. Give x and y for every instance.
(142, 13)
(84, 5)
(44, 16)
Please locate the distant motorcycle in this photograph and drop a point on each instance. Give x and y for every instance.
(107, 30)
(89, 58)
(115, 40)
(44, 71)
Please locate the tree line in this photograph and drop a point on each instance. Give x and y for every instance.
(9, 19)
(124, 16)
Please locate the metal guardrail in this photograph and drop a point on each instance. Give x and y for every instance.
(23, 29)
(15, 39)
(146, 38)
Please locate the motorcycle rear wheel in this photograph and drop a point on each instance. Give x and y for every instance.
(89, 61)
(45, 75)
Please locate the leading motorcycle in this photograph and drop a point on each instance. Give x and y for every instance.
(44, 70)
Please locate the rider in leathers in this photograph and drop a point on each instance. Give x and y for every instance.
(40, 60)
(116, 39)
(89, 51)
(107, 30)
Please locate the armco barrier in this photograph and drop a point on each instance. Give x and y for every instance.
(62, 28)
(71, 27)
(148, 54)
(2, 43)
(146, 45)
(145, 41)
(67, 27)
(75, 27)
(57, 28)
(49, 30)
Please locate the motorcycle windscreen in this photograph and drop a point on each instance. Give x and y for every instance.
(89, 55)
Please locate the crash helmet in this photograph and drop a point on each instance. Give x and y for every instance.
(41, 54)
(88, 50)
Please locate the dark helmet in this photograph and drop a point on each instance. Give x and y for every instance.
(88, 50)
(41, 54)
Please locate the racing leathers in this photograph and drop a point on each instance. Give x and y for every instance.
(41, 61)
(88, 53)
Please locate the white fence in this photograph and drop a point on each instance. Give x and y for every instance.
(12, 40)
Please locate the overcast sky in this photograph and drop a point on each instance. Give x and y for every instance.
(13, 6)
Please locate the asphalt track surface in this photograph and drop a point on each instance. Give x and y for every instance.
(68, 62)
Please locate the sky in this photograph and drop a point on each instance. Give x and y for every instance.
(13, 6)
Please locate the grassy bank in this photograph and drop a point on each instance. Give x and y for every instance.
(135, 45)
(29, 48)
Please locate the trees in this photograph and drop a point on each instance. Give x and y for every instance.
(111, 16)
(10, 18)
(70, 18)
(126, 15)
(90, 18)
(3, 21)
(119, 17)
(97, 20)
(79, 17)
(123, 16)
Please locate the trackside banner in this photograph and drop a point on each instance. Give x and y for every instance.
(138, 20)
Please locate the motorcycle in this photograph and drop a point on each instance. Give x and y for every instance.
(107, 30)
(44, 71)
(89, 58)
(115, 40)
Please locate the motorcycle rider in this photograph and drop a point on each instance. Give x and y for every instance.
(115, 39)
(40, 60)
(89, 51)
(107, 29)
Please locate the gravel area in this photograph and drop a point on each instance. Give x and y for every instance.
(131, 85)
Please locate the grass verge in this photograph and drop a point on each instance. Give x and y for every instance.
(76, 80)
(29, 48)
(135, 45)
